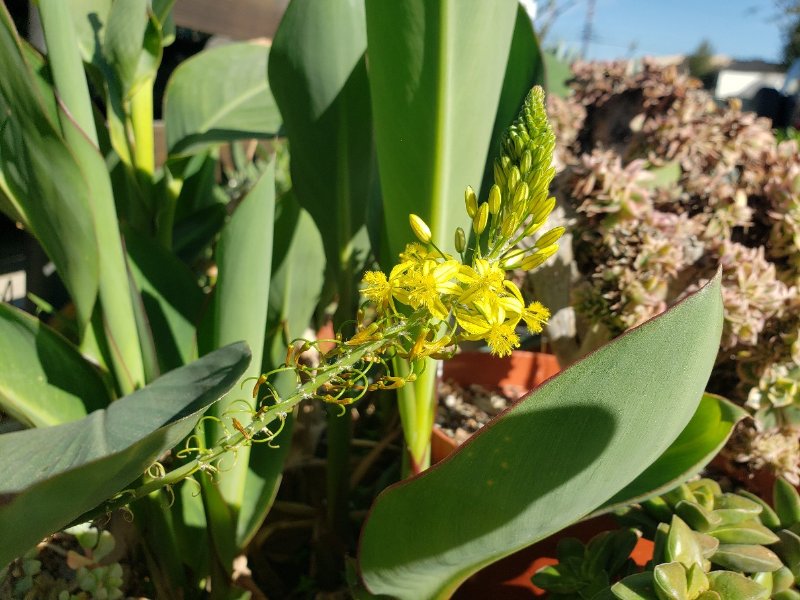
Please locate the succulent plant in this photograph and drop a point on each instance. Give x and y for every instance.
(663, 187)
(707, 545)
(25, 579)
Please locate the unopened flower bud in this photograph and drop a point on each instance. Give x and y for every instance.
(536, 259)
(494, 199)
(461, 240)
(420, 228)
(499, 174)
(513, 178)
(520, 194)
(471, 200)
(550, 238)
(481, 219)
(513, 258)
(525, 162)
(544, 210)
(508, 226)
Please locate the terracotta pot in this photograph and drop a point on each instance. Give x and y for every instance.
(515, 375)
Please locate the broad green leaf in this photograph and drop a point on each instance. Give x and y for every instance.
(220, 95)
(551, 459)
(701, 440)
(318, 75)
(43, 378)
(44, 178)
(53, 475)
(435, 72)
(171, 297)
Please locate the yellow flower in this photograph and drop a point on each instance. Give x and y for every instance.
(427, 285)
(484, 278)
(490, 324)
(535, 316)
(377, 289)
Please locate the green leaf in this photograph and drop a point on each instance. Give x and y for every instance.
(789, 550)
(318, 75)
(123, 41)
(44, 177)
(670, 581)
(697, 517)
(682, 545)
(745, 532)
(89, 18)
(53, 475)
(767, 515)
(701, 440)
(43, 378)
(525, 68)
(734, 586)
(297, 277)
(171, 297)
(524, 476)
(239, 311)
(436, 70)
(787, 502)
(746, 557)
(220, 95)
(635, 587)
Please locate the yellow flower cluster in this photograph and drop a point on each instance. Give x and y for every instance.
(462, 302)
(468, 297)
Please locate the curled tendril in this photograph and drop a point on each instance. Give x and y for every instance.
(232, 450)
(189, 450)
(127, 514)
(230, 410)
(171, 495)
(156, 471)
(199, 489)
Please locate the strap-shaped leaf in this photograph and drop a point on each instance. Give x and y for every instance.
(44, 380)
(547, 461)
(53, 475)
(436, 69)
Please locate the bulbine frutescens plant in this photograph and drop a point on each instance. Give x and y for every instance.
(429, 302)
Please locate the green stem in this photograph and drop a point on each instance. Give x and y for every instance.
(141, 116)
(165, 219)
(417, 406)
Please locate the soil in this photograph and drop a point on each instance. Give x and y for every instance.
(461, 411)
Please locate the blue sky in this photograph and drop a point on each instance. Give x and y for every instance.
(743, 29)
